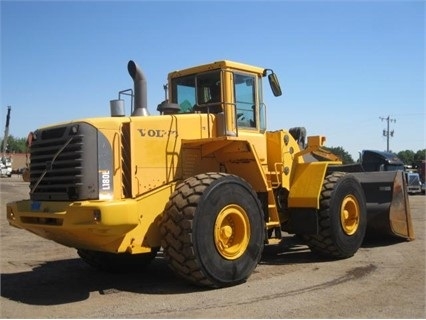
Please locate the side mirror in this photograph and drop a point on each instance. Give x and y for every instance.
(274, 83)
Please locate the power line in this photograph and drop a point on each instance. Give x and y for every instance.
(386, 132)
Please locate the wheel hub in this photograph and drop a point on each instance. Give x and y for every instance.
(350, 215)
(232, 232)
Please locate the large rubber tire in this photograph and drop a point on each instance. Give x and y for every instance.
(120, 262)
(342, 217)
(213, 230)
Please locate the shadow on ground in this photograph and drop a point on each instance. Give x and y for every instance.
(71, 280)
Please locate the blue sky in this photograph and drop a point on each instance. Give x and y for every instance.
(342, 64)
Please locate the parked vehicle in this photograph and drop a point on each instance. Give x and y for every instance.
(373, 160)
(421, 169)
(204, 180)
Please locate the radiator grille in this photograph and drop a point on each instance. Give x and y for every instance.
(413, 180)
(64, 163)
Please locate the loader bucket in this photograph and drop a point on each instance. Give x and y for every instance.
(388, 209)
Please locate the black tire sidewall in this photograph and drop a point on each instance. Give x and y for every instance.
(347, 244)
(222, 192)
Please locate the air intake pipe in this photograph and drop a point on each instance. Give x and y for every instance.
(140, 96)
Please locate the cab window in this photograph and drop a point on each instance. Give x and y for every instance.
(197, 92)
(244, 92)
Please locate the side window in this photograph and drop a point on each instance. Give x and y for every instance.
(245, 100)
(183, 92)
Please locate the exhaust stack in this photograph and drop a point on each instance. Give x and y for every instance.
(140, 95)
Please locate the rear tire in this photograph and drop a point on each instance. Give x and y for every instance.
(342, 217)
(116, 262)
(213, 230)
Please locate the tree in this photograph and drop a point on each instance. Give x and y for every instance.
(15, 145)
(411, 158)
(420, 155)
(406, 156)
(341, 153)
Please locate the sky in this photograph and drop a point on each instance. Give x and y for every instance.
(344, 66)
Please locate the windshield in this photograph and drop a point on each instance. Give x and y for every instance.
(394, 167)
(196, 91)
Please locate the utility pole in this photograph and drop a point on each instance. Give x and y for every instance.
(386, 132)
(6, 132)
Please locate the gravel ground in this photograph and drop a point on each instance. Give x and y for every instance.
(41, 279)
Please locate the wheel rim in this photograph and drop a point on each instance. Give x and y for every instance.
(232, 232)
(349, 215)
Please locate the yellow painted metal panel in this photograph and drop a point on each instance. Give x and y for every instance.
(224, 64)
(74, 225)
(282, 148)
(156, 141)
(122, 225)
(306, 186)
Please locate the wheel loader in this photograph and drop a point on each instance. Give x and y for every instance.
(202, 180)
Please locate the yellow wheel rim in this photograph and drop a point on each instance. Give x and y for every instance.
(232, 232)
(349, 215)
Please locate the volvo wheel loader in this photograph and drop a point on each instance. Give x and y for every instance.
(203, 180)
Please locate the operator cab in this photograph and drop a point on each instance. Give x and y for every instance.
(228, 89)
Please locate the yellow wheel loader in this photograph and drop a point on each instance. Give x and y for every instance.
(203, 181)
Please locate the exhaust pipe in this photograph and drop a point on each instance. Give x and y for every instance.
(140, 96)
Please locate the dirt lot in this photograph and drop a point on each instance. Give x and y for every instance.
(41, 279)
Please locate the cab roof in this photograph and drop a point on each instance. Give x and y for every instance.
(222, 64)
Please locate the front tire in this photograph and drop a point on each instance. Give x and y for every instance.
(213, 230)
(342, 217)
